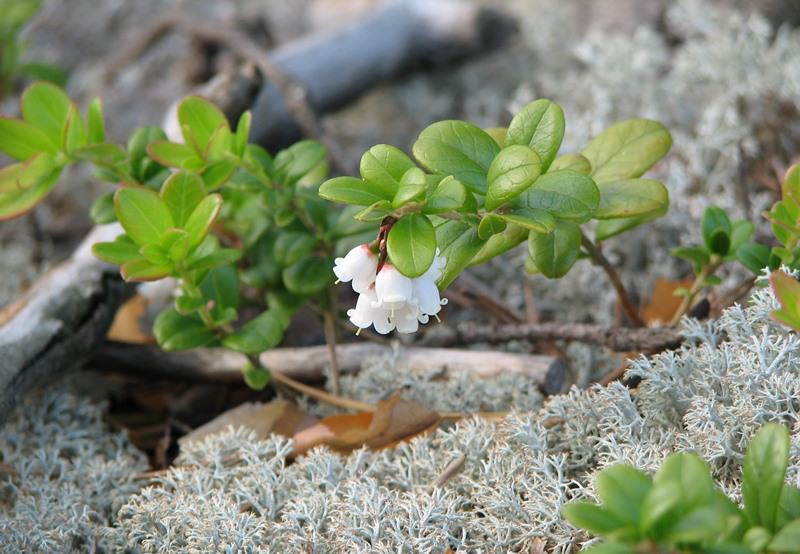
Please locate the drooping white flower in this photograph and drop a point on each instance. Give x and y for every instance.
(359, 266)
(426, 293)
(434, 272)
(406, 318)
(367, 313)
(392, 288)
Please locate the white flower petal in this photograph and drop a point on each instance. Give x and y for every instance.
(360, 263)
(393, 289)
(426, 294)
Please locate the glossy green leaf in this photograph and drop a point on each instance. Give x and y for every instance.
(595, 519)
(498, 134)
(74, 134)
(696, 255)
(308, 276)
(173, 154)
(175, 332)
(465, 245)
(257, 378)
(790, 188)
(95, 127)
(531, 219)
(142, 167)
(631, 197)
(789, 508)
(293, 163)
(22, 140)
(575, 162)
(141, 269)
(622, 490)
(539, 125)
(555, 253)
(256, 336)
(741, 231)
(627, 149)
(566, 194)
(46, 106)
(376, 212)
(199, 119)
(221, 287)
(217, 174)
(219, 144)
(143, 214)
(349, 190)
(16, 177)
(102, 210)
(717, 229)
(490, 225)
(413, 186)
(202, 218)
(119, 251)
(242, 135)
(292, 246)
(787, 539)
(704, 524)
(16, 203)
(105, 155)
(511, 173)
(383, 167)
(762, 474)
(176, 245)
(457, 148)
(448, 195)
(412, 244)
(218, 258)
(182, 192)
(511, 237)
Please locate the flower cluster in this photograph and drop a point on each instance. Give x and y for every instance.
(388, 299)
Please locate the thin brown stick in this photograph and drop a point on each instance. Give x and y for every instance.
(329, 326)
(322, 396)
(451, 470)
(622, 294)
(698, 285)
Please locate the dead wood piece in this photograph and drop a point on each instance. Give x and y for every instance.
(310, 363)
(619, 339)
(58, 322)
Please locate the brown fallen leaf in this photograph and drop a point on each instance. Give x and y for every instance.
(279, 416)
(394, 420)
(663, 302)
(126, 326)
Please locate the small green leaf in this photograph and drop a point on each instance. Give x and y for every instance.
(458, 254)
(502, 242)
(143, 214)
(762, 474)
(308, 276)
(349, 190)
(696, 255)
(383, 167)
(717, 230)
(217, 174)
(18, 202)
(491, 224)
(121, 250)
(23, 141)
(539, 125)
(74, 133)
(627, 149)
(294, 163)
(457, 148)
(202, 218)
(256, 378)
(512, 172)
(46, 106)
(787, 539)
(182, 192)
(292, 246)
(174, 331)
(790, 189)
(256, 336)
(199, 119)
(242, 135)
(95, 127)
(789, 508)
(631, 197)
(376, 212)
(448, 195)
(595, 519)
(566, 194)
(218, 258)
(498, 134)
(219, 144)
(412, 188)
(141, 269)
(221, 287)
(622, 490)
(42, 71)
(173, 154)
(741, 231)
(102, 210)
(555, 253)
(757, 538)
(703, 524)
(105, 155)
(531, 219)
(575, 162)
(412, 244)
(178, 245)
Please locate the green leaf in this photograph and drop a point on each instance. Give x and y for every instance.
(608, 228)
(412, 244)
(257, 335)
(457, 148)
(23, 141)
(787, 539)
(182, 192)
(762, 474)
(142, 167)
(609, 548)
(173, 154)
(256, 378)
(511, 173)
(376, 212)
(74, 134)
(174, 331)
(349, 190)
(627, 149)
(539, 125)
(217, 174)
(141, 269)
(16, 177)
(383, 167)
(176, 244)
(219, 144)
(703, 524)
(531, 219)
(46, 106)
(199, 119)
(118, 252)
(575, 162)
(622, 490)
(308, 276)
(741, 231)
(631, 197)
(789, 508)
(448, 195)
(292, 246)
(595, 519)
(221, 286)
(660, 509)
(554, 253)
(413, 186)
(502, 242)
(218, 258)
(491, 224)
(757, 538)
(298, 160)
(459, 253)
(717, 229)
(688, 474)
(498, 134)
(696, 255)
(105, 155)
(42, 71)
(143, 214)
(16, 203)
(102, 210)
(566, 194)
(202, 218)
(790, 189)
(95, 127)
(242, 135)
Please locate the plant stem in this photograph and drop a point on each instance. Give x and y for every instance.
(329, 325)
(697, 286)
(616, 282)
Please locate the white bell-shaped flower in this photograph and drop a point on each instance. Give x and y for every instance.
(392, 288)
(367, 313)
(406, 318)
(426, 294)
(359, 266)
(434, 272)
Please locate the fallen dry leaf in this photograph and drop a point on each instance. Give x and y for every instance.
(393, 421)
(279, 416)
(663, 302)
(127, 322)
